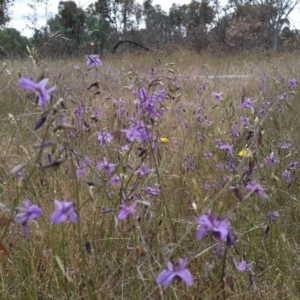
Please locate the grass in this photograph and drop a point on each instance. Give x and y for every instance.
(103, 257)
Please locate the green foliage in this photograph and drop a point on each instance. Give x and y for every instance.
(72, 18)
(4, 14)
(12, 42)
(98, 32)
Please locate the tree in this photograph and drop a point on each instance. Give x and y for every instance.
(158, 30)
(4, 16)
(72, 18)
(192, 21)
(118, 13)
(275, 13)
(12, 43)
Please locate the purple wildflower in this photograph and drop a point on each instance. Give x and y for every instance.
(64, 209)
(137, 132)
(235, 130)
(228, 149)
(271, 160)
(80, 169)
(143, 171)
(206, 186)
(286, 175)
(104, 138)
(126, 211)
(208, 123)
(220, 167)
(245, 121)
(115, 180)
(255, 187)
(26, 214)
(109, 168)
(248, 103)
(167, 276)
(80, 111)
(148, 103)
(242, 266)
(220, 229)
(292, 84)
(19, 176)
(124, 148)
(286, 146)
(216, 185)
(208, 155)
(87, 161)
(152, 192)
(200, 137)
(218, 97)
(293, 165)
(273, 216)
(39, 88)
(93, 60)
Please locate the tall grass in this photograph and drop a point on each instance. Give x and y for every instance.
(102, 256)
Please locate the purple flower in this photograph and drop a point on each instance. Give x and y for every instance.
(124, 148)
(286, 175)
(126, 211)
(228, 149)
(220, 167)
(80, 111)
(218, 97)
(206, 186)
(19, 176)
(273, 216)
(235, 131)
(242, 266)
(216, 185)
(245, 121)
(271, 160)
(115, 180)
(152, 192)
(87, 161)
(220, 229)
(166, 277)
(109, 168)
(292, 165)
(143, 171)
(64, 209)
(147, 103)
(26, 214)
(104, 138)
(248, 103)
(208, 155)
(255, 187)
(137, 132)
(286, 146)
(80, 169)
(208, 123)
(93, 60)
(39, 88)
(292, 84)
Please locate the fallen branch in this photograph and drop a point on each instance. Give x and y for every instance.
(126, 41)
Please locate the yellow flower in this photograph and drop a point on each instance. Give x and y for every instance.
(164, 140)
(245, 152)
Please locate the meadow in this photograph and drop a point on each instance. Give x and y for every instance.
(141, 176)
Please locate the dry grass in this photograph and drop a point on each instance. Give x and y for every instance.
(53, 261)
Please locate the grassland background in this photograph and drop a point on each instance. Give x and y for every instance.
(52, 262)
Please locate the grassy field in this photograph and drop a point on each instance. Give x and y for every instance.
(144, 161)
